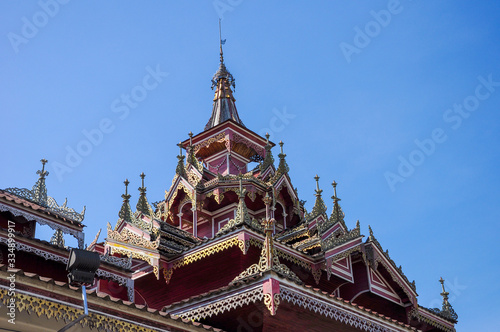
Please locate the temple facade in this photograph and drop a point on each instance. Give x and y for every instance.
(231, 247)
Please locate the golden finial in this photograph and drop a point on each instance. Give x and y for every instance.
(317, 182)
(444, 294)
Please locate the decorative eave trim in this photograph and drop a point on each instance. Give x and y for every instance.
(25, 246)
(55, 225)
(339, 310)
(423, 315)
(110, 319)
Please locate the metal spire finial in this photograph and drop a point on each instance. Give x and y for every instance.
(127, 182)
(267, 138)
(190, 138)
(281, 146)
(180, 148)
(317, 182)
(43, 173)
(142, 177)
(221, 43)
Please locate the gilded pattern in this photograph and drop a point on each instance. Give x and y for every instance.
(221, 137)
(134, 254)
(131, 238)
(62, 312)
(272, 302)
(206, 252)
(167, 274)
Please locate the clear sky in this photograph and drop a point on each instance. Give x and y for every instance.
(397, 101)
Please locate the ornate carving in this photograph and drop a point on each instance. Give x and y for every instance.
(225, 304)
(416, 312)
(167, 274)
(331, 311)
(117, 261)
(240, 139)
(332, 241)
(38, 194)
(211, 250)
(134, 254)
(272, 302)
(66, 313)
(131, 238)
(268, 260)
(221, 137)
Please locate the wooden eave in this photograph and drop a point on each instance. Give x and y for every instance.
(218, 297)
(98, 303)
(38, 211)
(220, 128)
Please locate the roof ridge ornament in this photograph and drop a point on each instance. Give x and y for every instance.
(282, 166)
(337, 214)
(268, 159)
(319, 205)
(268, 260)
(143, 204)
(39, 189)
(38, 195)
(447, 310)
(180, 169)
(191, 158)
(125, 211)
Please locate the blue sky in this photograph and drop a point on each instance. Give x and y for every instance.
(398, 101)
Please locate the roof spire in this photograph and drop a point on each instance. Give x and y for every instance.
(319, 205)
(221, 42)
(180, 164)
(142, 204)
(268, 159)
(283, 166)
(39, 189)
(223, 107)
(125, 212)
(337, 213)
(447, 309)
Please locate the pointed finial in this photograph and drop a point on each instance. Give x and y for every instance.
(371, 231)
(43, 173)
(221, 42)
(267, 138)
(142, 177)
(441, 280)
(190, 138)
(281, 146)
(317, 182)
(126, 186)
(180, 148)
(447, 309)
(241, 189)
(334, 184)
